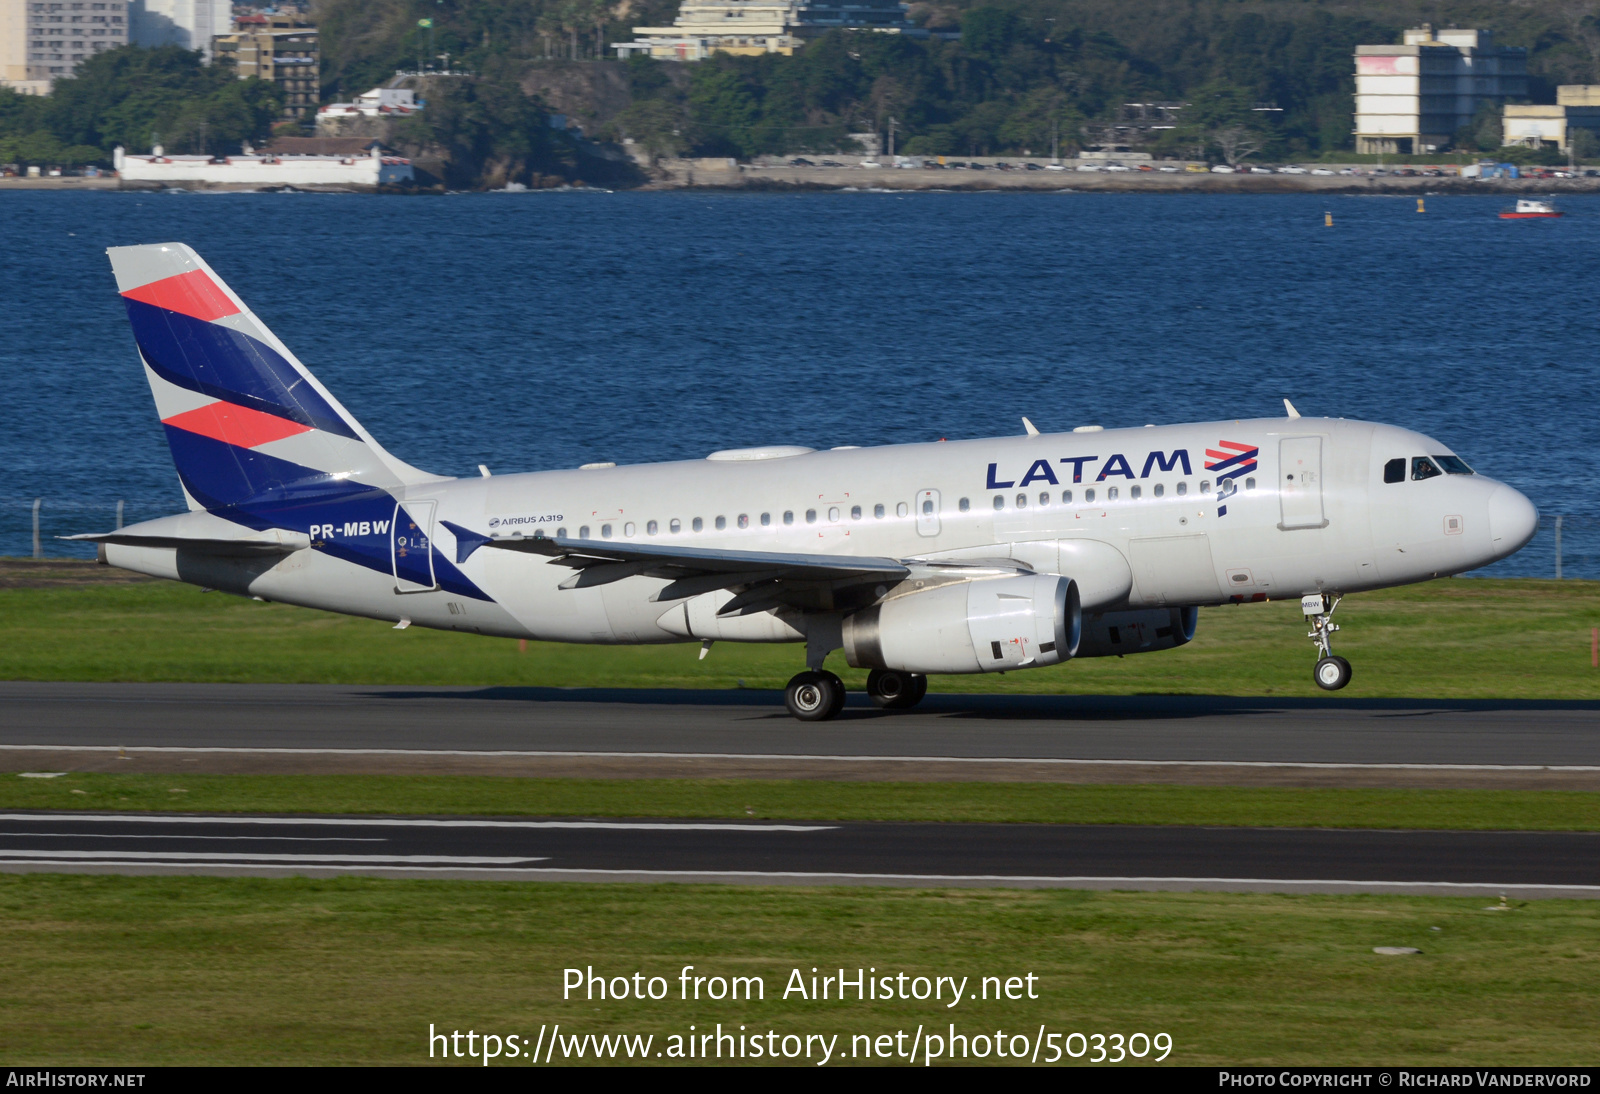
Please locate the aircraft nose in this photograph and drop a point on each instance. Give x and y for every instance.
(1512, 520)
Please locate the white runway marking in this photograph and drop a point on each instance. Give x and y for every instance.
(415, 822)
(187, 838)
(784, 756)
(221, 858)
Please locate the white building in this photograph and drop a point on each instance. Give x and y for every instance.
(380, 102)
(1577, 107)
(1411, 98)
(44, 40)
(745, 27)
(362, 166)
(187, 23)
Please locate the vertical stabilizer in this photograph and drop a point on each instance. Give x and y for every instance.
(244, 418)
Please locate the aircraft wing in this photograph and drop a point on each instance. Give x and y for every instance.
(692, 570)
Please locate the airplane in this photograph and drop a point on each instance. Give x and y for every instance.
(965, 556)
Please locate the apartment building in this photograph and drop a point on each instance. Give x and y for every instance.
(42, 40)
(280, 48)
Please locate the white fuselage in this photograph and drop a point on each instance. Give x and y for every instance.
(1132, 515)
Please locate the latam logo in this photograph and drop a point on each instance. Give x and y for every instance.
(1116, 465)
(1229, 460)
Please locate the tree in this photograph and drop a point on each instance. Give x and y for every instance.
(656, 125)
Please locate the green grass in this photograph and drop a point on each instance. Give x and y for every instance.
(145, 970)
(1446, 639)
(1035, 803)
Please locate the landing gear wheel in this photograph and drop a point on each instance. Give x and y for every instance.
(893, 690)
(1331, 673)
(814, 696)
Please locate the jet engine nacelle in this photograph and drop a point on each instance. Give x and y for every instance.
(987, 625)
(1107, 634)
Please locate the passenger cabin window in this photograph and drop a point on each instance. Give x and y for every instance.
(927, 508)
(1022, 501)
(811, 516)
(878, 510)
(964, 504)
(629, 529)
(722, 523)
(1183, 488)
(1159, 490)
(1395, 470)
(744, 520)
(999, 503)
(1066, 497)
(676, 526)
(1423, 468)
(583, 532)
(651, 528)
(1134, 492)
(1205, 486)
(1454, 465)
(833, 514)
(1044, 497)
(1111, 493)
(766, 520)
(561, 533)
(1088, 495)
(855, 512)
(1249, 484)
(605, 531)
(698, 525)
(902, 509)
(788, 516)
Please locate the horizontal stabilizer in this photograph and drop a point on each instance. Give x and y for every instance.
(239, 548)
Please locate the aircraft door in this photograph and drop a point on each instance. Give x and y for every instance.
(1300, 483)
(927, 512)
(411, 548)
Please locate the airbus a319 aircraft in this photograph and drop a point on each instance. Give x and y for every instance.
(947, 557)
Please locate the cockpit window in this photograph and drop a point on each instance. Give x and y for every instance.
(1395, 470)
(1454, 465)
(1423, 468)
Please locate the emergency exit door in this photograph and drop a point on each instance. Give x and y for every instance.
(1300, 483)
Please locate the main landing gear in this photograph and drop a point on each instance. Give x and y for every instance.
(817, 695)
(1331, 672)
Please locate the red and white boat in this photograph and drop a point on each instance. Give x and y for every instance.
(1528, 209)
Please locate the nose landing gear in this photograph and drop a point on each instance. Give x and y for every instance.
(1331, 672)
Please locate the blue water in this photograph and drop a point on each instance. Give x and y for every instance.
(539, 330)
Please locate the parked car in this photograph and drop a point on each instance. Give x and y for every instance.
(800, 161)
(1118, 167)
(1055, 167)
(1291, 170)
(836, 163)
(1088, 167)
(1146, 167)
(1032, 167)
(1321, 171)
(1167, 169)
(1347, 171)
(1434, 173)
(1222, 169)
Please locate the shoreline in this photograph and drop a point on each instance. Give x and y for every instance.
(696, 175)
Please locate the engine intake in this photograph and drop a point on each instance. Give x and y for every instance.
(988, 625)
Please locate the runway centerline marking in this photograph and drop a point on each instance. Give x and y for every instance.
(415, 822)
(788, 756)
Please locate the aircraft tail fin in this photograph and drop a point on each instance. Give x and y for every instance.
(244, 418)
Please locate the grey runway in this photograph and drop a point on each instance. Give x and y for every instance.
(1150, 729)
(803, 852)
